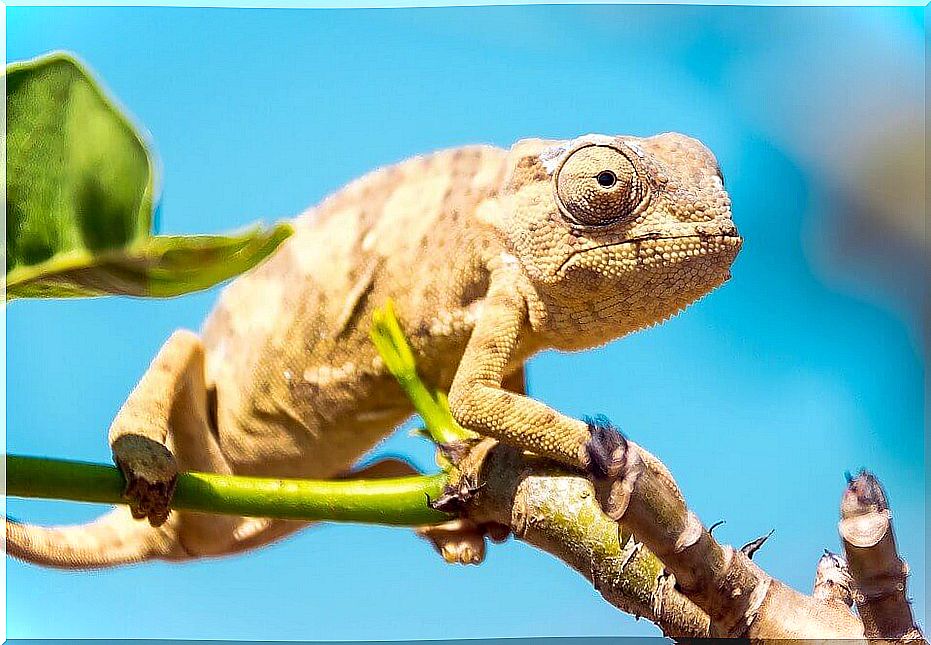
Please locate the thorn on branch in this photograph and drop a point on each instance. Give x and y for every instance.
(630, 550)
(665, 584)
(455, 497)
(714, 526)
(753, 546)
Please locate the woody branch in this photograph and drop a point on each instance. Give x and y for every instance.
(674, 573)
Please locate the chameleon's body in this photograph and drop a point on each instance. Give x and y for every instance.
(489, 256)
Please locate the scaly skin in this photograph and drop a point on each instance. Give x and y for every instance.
(489, 255)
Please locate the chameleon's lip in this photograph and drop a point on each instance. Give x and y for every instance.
(717, 235)
(728, 238)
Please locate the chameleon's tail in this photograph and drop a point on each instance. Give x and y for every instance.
(113, 539)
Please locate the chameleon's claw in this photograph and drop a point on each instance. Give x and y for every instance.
(151, 474)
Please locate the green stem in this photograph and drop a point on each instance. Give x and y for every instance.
(400, 501)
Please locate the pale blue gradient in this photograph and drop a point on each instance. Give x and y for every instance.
(758, 398)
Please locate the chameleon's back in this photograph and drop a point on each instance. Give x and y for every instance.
(287, 345)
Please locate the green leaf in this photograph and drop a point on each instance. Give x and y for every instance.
(159, 266)
(395, 351)
(81, 188)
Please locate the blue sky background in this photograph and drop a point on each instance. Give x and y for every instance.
(808, 363)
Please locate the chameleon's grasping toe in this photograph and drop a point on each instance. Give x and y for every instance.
(489, 255)
(606, 449)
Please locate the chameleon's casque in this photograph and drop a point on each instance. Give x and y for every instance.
(489, 255)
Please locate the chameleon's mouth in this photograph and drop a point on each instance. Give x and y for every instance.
(656, 249)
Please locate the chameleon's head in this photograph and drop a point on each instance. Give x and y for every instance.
(618, 233)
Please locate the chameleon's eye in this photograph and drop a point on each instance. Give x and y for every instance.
(598, 185)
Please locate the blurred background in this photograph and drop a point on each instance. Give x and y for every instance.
(808, 363)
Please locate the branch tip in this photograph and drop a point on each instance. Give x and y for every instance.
(864, 494)
(877, 572)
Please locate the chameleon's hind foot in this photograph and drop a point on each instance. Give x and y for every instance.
(462, 541)
(150, 472)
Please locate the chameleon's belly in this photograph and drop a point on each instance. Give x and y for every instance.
(299, 412)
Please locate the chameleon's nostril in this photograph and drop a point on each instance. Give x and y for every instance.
(724, 227)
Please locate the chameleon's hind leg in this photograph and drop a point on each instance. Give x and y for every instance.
(167, 416)
(168, 407)
(459, 541)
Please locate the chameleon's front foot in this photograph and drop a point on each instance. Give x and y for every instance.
(607, 459)
(458, 541)
(606, 449)
(150, 472)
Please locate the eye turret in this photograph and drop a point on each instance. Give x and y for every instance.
(598, 185)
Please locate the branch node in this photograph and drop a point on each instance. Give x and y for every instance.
(456, 497)
(832, 579)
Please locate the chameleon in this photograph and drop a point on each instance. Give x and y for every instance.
(489, 254)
